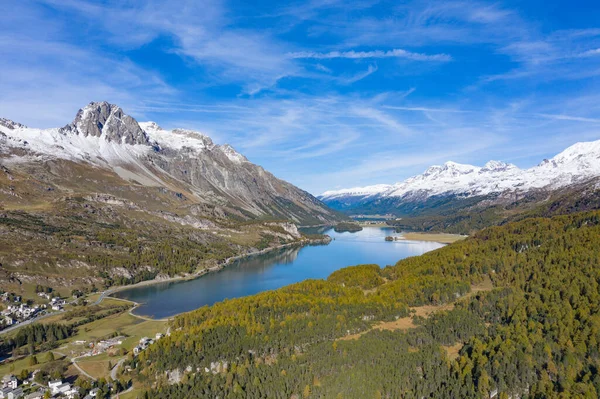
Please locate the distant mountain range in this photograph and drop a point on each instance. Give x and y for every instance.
(444, 189)
(110, 143)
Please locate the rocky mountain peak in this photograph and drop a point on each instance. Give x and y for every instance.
(449, 169)
(496, 166)
(102, 119)
(7, 123)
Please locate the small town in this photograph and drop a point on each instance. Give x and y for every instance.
(13, 388)
(33, 385)
(70, 345)
(18, 311)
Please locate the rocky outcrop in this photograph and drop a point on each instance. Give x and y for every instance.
(109, 121)
(7, 123)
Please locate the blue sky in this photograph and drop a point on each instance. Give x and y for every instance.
(325, 94)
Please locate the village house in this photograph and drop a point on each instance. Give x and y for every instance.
(144, 342)
(15, 394)
(45, 295)
(10, 381)
(53, 385)
(57, 303)
(71, 393)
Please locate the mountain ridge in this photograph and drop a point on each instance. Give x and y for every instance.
(575, 164)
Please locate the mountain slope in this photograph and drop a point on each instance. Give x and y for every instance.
(102, 136)
(106, 200)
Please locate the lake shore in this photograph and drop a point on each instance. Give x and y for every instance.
(203, 272)
(442, 238)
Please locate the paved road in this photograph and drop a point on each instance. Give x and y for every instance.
(82, 371)
(113, 372)
(74, 361)
(26, 322)
(103, 295)
(116, 396)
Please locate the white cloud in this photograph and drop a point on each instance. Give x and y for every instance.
(395, 53)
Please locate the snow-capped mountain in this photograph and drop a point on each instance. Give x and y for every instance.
(576, 164)
(113, 145)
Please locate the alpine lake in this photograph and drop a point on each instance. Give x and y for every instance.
(275, 269)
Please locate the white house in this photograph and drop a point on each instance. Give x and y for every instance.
(10, 381)
(64, 388)
(72, 393)
(15, 394)
(53, 385)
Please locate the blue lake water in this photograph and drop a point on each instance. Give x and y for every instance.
(273, 270)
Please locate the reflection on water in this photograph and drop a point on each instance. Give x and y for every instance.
(282, 256)
(314, 230)
(273, 270)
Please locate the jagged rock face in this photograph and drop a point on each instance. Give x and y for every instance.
(108, 120)
(212, 172)
(7, 123)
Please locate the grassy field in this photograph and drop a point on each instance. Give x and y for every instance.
(16, 367)
(135, 394)
(124, 323)
(436, 237)
(98, 366)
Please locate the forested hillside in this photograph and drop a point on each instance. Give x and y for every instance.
(535, 334)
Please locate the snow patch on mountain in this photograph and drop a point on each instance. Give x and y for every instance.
(232, 154)
(357, 191)
(177, 139)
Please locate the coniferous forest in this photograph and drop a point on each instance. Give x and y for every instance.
(534, 334)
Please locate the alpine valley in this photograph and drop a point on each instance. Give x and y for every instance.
(108, 200)
(462, 198)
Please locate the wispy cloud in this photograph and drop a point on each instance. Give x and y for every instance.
(590, 53)
(395, 53)
(360, 76)
(425, 109)
(561, 117)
